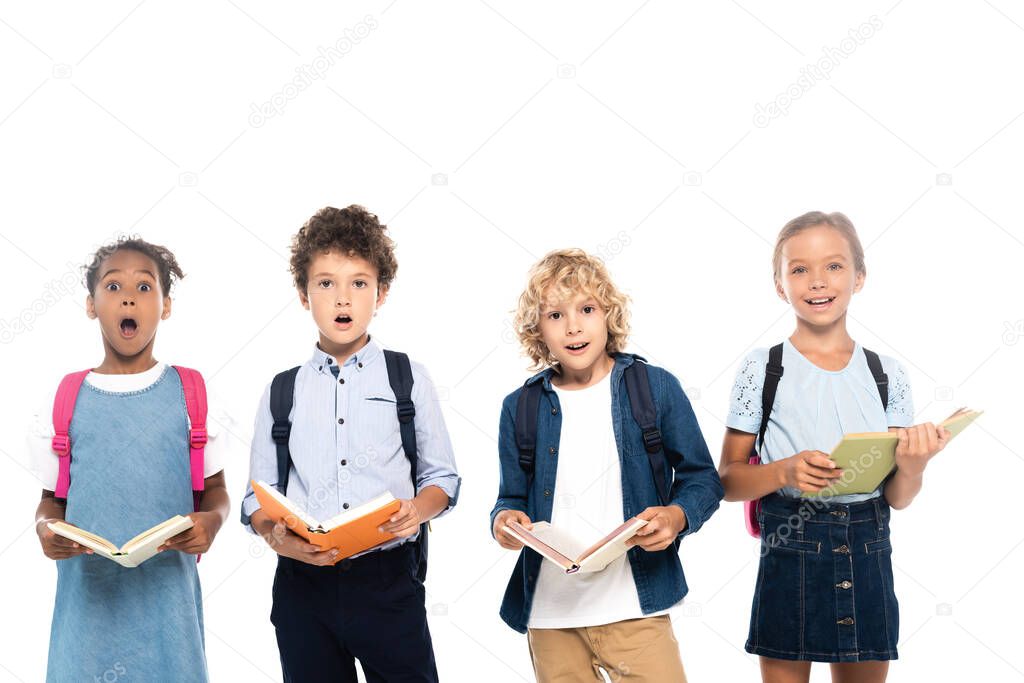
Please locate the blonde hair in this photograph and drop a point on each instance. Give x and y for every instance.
(558, 277)
(835, 220)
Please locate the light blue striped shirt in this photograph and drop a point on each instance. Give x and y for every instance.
(345, 442)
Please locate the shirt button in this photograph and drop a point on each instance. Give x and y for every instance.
(341, 381)
(341, 420)
(330, 361)
(552, 450)
(846, 585)
(554, 411)
(345, 505)
(359, 365)
(547, 492)
(344, 462)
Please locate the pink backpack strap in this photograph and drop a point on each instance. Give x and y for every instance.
(63, 409)
(195, 403)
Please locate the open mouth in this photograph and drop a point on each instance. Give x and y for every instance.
(820, 302)
(577, 348)
(343, 320)
(129, 328)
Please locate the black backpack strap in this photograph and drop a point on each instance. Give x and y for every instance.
(881, 379)
(282, 396)
(772, 374)
(641, 404)
(526, 424)
(401, 380)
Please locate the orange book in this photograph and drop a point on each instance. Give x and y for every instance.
(351, 532)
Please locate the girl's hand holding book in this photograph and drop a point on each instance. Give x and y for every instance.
(917, 445)
(197, 540)
(664, 523)
(57, 547)
(809, 471)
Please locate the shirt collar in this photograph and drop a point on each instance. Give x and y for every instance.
(359, 361)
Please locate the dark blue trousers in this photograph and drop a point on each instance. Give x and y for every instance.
(370, 608)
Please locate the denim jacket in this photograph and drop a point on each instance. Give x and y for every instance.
(696, 488)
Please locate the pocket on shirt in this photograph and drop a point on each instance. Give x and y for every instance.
(379, 416)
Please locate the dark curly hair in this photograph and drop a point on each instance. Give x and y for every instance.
(167, 266)
(352, 231)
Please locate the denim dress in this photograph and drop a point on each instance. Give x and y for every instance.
(129, 472)
(825, 588)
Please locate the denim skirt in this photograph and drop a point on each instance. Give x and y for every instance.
(824, 584)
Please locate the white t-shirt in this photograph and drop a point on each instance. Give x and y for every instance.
(588, 504)
(45, 461)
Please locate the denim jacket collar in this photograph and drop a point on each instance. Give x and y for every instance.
(622, 361)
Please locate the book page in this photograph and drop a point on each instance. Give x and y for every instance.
(359, 511)
(158, 534)
(541, 539)
(271, 491)
(83, 537)
(620, 535)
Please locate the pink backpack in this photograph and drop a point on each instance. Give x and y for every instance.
(195, 403)
(772, 375)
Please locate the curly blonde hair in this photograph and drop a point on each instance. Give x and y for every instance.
(558, 277)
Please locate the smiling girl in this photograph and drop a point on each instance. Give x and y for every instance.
(825, 586)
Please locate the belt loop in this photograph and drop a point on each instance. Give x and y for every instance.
(878, 514)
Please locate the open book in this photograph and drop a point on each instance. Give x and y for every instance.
(570, 553)
(134, 552)
(351, 532)
(868, 458)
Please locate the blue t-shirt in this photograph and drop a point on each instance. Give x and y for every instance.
(814, 407)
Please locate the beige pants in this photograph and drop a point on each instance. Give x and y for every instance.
(633, 650)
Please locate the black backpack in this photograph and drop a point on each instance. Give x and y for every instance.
(641, 404)
(282, 396)
(772, 374)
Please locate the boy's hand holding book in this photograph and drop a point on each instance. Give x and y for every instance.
(55, 546)
(286, 543)
(503, 537)
(405, 522)
(664, 523)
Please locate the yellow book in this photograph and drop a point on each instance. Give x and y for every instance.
(868, 458)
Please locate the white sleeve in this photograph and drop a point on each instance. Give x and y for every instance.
(745, 397)
(219, 425)
(42, 459)
(900, 411)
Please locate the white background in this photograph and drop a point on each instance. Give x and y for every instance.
(624, 128)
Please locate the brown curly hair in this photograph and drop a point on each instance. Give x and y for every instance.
(167, 266)
(352, 231)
